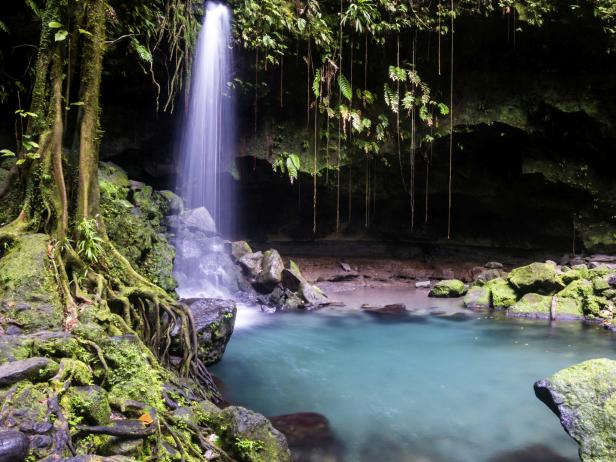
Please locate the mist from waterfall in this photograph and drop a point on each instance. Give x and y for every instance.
(206, 157)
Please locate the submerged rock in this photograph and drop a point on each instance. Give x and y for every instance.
(535, 453)
(448, 288)
(540, 278)
(395, 309)
(584, 399)
(309, 436)
(214, 322)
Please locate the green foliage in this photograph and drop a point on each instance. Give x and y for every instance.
(289, 164)
(90, 244)
(345, 87)
(247, 448)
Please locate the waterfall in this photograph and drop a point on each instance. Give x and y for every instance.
(206, 155)
(207, 141)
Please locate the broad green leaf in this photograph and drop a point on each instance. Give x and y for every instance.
(54, 25)
(7, 153)
(85, 32)
(61, 35)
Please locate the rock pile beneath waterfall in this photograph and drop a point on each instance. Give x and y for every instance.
(277, 284)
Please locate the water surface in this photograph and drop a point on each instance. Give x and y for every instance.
(437, 386)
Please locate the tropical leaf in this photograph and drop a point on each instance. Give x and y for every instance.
(345, 87)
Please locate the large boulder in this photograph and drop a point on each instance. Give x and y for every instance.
(214, 322)
(531, 306)
(256, 440)
(584, 399)
(28, 290)
(501, 293)
(271, 269)
(199, 219)
(251, 263)
(14, 446)
(540, 278)
(448, 288)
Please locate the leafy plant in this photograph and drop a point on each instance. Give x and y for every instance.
(90, 243)
(289, 164)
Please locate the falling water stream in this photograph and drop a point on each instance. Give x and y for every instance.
(206, 154)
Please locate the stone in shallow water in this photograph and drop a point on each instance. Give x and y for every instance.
(448, 288)
(584, 398)
(271, 268)
(535, 453)
(395, 309)
(540, 278)
(532, 306)
(477, 298)
(199, 219)
(214, 322)
(309, 436)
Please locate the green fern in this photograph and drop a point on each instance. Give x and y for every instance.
(345, 87)
(3, 28)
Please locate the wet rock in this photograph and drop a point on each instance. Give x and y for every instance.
(14, 446)
(31, 368)
(292, 279)
(501, 293)
(540, 278)
(345, 267)
(127, 428)
(199, 219)
(271, 269)
(395, 309)
(251, 263)
(493, 265)
(245, 424)
(309, 436)
(174, 203)
(535, 453)
(448, 288)
(312, 295)
(584, 399)
(477, 298)
(214, 322)
(423, 284)
(238, 249)
(532, 306)
(487, 275)
(118, 446)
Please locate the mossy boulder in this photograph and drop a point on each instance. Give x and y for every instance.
(574, 273)
(540, 278)
(501, 293)
(252, 436)
(448, 288)
(584, 399)
(477, 298)
(214, 321)
(531, 306)
(88, 404)
(28, 292)
(133, 214)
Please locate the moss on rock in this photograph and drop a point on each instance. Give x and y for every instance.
(477, 298)
(501, 293)
(27, 285)
(448, 288)
(540, 278)
(532, 306)
(584, 398)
